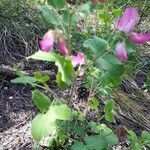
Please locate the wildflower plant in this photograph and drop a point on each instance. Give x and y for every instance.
(100, 64)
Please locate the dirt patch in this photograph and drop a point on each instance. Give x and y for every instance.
(16, 112)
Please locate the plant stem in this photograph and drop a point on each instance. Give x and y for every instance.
(76, 121)
(71, 96)
(60, 21)
(72, 89)
(48, 89)
(90, 96)
(69, 30)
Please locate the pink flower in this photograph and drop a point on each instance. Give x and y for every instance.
(47, 43)
(121, 53)
(78, 59)
(127, 23)
(61, 44)
(139, 37)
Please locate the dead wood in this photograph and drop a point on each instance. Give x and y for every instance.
(11, 72)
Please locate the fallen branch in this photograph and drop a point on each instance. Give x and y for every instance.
(11, 72)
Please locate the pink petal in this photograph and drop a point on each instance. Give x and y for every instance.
(77, 60)
(61, 43)
(47, 43)
(139, 38)
(62, 46)
(121, 53)
(127, 22)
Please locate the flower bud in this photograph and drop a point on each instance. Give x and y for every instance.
(121, 53)
(61, 43)
(47, 42)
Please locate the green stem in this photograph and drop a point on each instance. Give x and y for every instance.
(48, 89)
(90, 94)
(75, 124)
(71, 97)
(60, 21)
(69, 30)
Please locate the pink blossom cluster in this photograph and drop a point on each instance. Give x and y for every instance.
(47, 44)
(126, 23)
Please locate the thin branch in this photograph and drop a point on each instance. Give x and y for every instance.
(9, 71)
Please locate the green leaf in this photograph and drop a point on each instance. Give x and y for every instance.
(131, 48)
(41, 78)
(107, 78)
(85, 8)
(60, 112)
(49, 15)
(80, 130)
(24, 80)
(96, 142)
(81, 117)
(110, 64)
(42, 125)
(59, 81)
(109, 106)
(132, 136)
(109, 117)
(108, 134)
(104, 17)
(62, 135)
(65, 71)
(65, 17)
(17, 70)
(116, 12)
(94, 103)
(57, 3)
(40, 55)
(112, 69)
(41, 101)
(65, 68)
(145, 138)
(97, 45)
(95, 72)
(74, 19)
(78, 146)
(134, 141)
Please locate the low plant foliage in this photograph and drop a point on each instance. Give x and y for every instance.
(108, 48)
